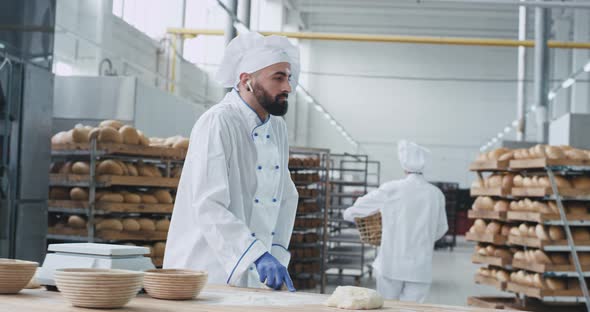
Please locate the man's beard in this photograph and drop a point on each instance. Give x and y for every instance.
(274, 106)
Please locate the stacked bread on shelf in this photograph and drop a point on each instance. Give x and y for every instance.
(154, 196)
(304, 161)
(535, 152)
(113, 131)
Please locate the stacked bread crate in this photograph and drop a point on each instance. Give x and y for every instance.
(112, 184)
(307, 246)
(532, 224)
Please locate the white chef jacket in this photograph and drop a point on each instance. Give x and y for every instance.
(413, 217)
(235, 200)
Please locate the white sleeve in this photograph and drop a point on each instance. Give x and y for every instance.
(443, 225)
(286, 219)
(367, 205)
(228, 237)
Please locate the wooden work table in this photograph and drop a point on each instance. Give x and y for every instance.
(213, 298)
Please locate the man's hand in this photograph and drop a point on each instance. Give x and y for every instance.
(273, 272)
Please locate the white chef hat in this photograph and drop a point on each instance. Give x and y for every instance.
(251, 52)
(412, 156)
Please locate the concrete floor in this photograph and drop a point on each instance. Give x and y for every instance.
(452, 278)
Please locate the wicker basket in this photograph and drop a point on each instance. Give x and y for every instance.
(370, 229)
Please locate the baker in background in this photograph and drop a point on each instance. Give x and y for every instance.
(413, 218)
(236, 204)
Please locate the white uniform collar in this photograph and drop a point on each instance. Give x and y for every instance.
(248, 112)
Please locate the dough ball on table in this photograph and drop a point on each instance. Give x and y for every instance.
(79, 194)
(355, 298)
(81, 167)
(129, 135)
(131, 225)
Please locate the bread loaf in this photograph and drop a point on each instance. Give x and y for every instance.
(111, 198)
(131, 198)
(148, 199)
(159, 249)
(182, 143)
(78, 194)
(147, 225)
(502, 276)
(539, 281)
(129, 135)
(554, 152)
(541, 233)
(575, 154)
(162, 225)
(506, 156)
(555, 283)
(584, 258)
(518, 181)
(556, 233)
(143, 140)
(502, 253)
(494, 181)
(505, 231)
(109, 167)
(519, 255)
(59, 138)
(76, 222)
(523, 229)
(514, 231)
(479, 226)
(110, 224)
(66, 168)
(111, 123)
(109, 135)
(132, 170)
(541, 257)
(131, 225)
(80, 135)
(80, 167)
(163, 196)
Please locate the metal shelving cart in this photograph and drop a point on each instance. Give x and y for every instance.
(310, 172)
(164, 158)
(351, 176)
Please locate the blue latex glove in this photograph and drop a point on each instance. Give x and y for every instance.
(273, 272)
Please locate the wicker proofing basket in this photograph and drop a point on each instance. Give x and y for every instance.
(370, 229)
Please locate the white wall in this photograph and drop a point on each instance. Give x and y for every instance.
(356, 83)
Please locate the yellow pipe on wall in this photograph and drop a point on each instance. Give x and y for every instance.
(394, 39)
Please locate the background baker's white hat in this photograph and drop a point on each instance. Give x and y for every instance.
(251, 52)
(412, 156)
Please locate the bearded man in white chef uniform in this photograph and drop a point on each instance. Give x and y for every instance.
(236, 204)
(413, 218)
